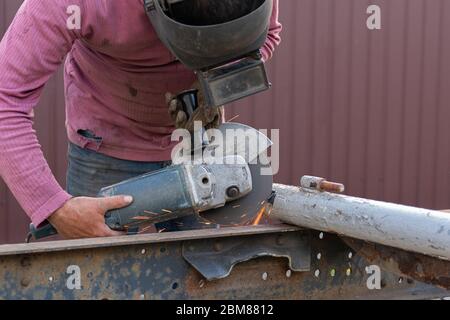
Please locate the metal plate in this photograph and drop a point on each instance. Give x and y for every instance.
(216, 259)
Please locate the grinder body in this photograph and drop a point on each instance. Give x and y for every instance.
(171, 193)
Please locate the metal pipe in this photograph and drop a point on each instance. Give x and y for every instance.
(408, 228)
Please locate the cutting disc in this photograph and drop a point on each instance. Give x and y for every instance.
(245, 210)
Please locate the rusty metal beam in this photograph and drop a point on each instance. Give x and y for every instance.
(155, 267)
(407, 264)
(55, 246)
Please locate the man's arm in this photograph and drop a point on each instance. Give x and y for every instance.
(32, 49)
(30, 52)
(273, 39)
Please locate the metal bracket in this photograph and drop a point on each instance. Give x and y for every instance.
(215, 259)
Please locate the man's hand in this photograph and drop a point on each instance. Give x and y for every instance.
(210, 117)
(85, 217)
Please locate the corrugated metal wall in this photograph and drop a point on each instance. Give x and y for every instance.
(368, 108)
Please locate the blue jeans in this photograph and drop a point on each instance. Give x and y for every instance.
(90, 171)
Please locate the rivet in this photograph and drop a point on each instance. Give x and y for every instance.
(400, 280)
(217, 246)
(319, 256)
(317, 273)
(350, 255)
(289, 273)
(419, 268)
(321, 236)
(265, 276)
(50, 279)
(143, 251)
(348, 272)
(280, 240)
(25, 282)
(25, 262)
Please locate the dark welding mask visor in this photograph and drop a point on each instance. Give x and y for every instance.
(219, 39)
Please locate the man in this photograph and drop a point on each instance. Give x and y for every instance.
(117, 73)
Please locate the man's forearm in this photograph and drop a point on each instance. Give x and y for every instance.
(24, 169)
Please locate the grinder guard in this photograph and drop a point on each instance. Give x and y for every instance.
(226, 56)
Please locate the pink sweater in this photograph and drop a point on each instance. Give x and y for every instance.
(116, 74)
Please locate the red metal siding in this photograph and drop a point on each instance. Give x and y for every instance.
(368, 108)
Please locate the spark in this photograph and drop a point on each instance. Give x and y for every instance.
(149, 212)
(145, 229)
(259, 216)
(141, 218)
(234, 118)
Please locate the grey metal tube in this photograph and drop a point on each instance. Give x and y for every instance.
(408, 228)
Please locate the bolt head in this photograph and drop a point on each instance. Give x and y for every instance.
(233, 192)
(280, 240)
(218, 246)
(25, 282)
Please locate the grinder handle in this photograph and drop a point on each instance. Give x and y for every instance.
(44, 231)
(189, 103)
(47, 230)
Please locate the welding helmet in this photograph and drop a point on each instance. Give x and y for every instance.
(219, 39)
